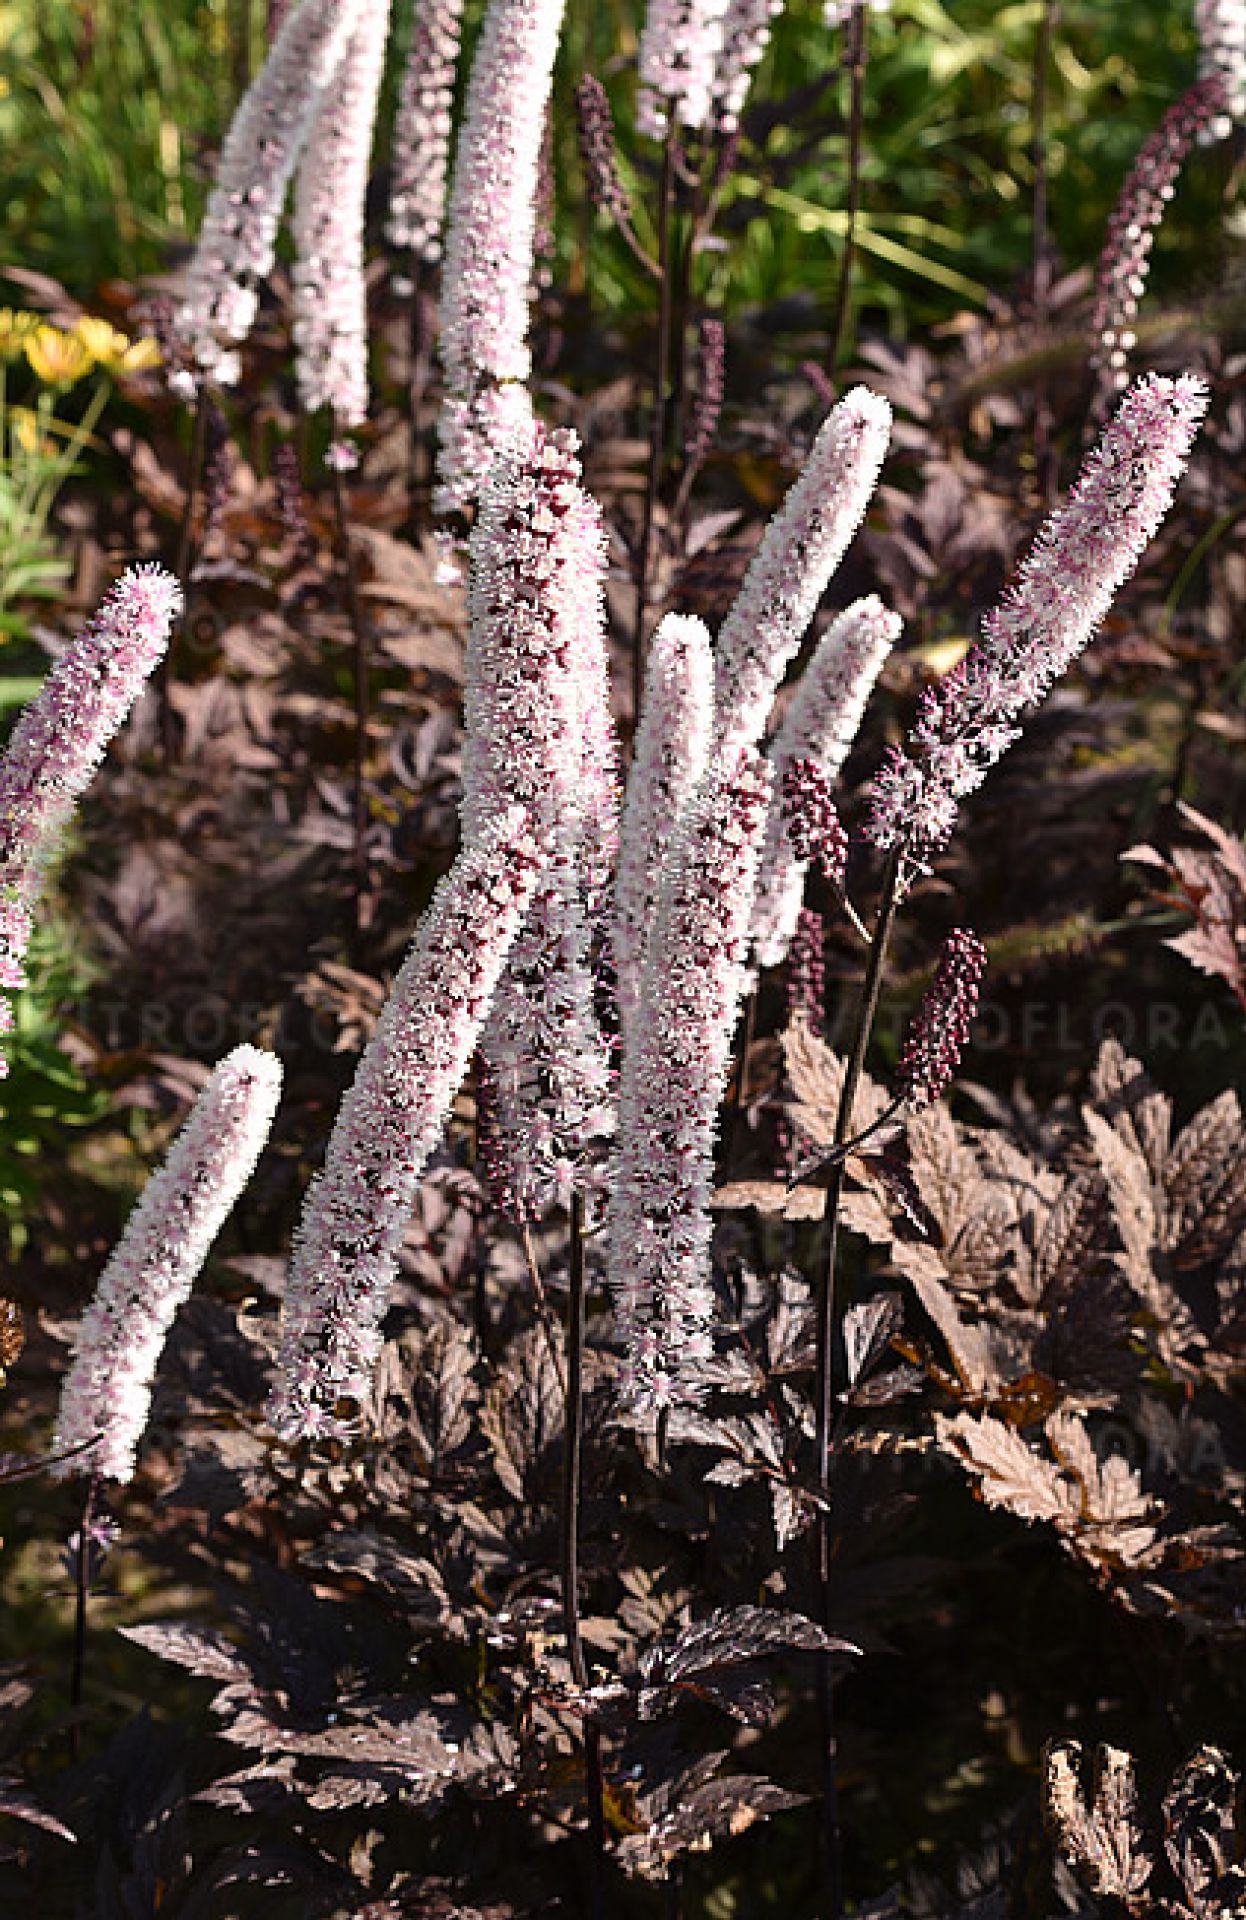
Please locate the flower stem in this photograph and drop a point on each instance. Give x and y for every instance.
(832, 1863)
(657, 438)
(354, 607)
(77, 1669)
(572, 1473)
(181, 571)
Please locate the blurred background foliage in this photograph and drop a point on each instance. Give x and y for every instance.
(96, 192)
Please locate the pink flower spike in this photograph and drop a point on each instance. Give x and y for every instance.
(239, 232)
(800, 550)
(489, 245)
(1066, 584)
(60, 739)
(681, 44)
(675, 1067)
(107, 1391)
(420, 164)
(358, 1207)
(1222, 56)
(330, 299)
(539, 735)
(745, 37)
(820, 725)
(668, 760)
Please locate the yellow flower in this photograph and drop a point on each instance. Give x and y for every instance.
(27, 429)
(114, 350)
(15, 327)
(57, 358)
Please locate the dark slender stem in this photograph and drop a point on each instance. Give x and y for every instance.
(418, 480)
(856, 60)
(542, 1303)
(657, 438)
(1043, 473)
(573, 1452)
(832, 1864)
(835, 1156)
(181, 569)
(354, 607)
(77, 1670)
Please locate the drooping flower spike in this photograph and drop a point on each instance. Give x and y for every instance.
(420, 164)
(820, 726)
(675, 1068)
(668, 760)
(488, 271)
(358, 1208)
(106, 1396)
(1065, 586)
(800, 550)
(330, 300)
(237, 240)
(60, 738)
(1120, 278)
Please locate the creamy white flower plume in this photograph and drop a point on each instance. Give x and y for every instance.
(417, 199)
(358, 1207)
(674, 1072)
(330, 300)
(60, 738)
(539, 734)
(261, 150)
(681, 44)
(800, 550)
(745, 36)
(668, 760)
(821, 724)
(107, 1391)
(489, 242)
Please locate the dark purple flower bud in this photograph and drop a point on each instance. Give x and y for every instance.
(934, 1043)
(595, 132)
(291, 505)
(806, 970)
(707, 405)
(812, 821)
(218, 469)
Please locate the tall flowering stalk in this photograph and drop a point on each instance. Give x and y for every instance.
(107, 1391)
(674, 1072)
(539, 735)
(821, 724)
(330, 302)
(1121, 275)
(261, 151)
(358, 1207)
(1222, 56)
(421, 153)
(668, 760)
(1066, 584)
(489, 245)
(60, 739)
(800, 550)
(681, 45)
(937, 1038)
